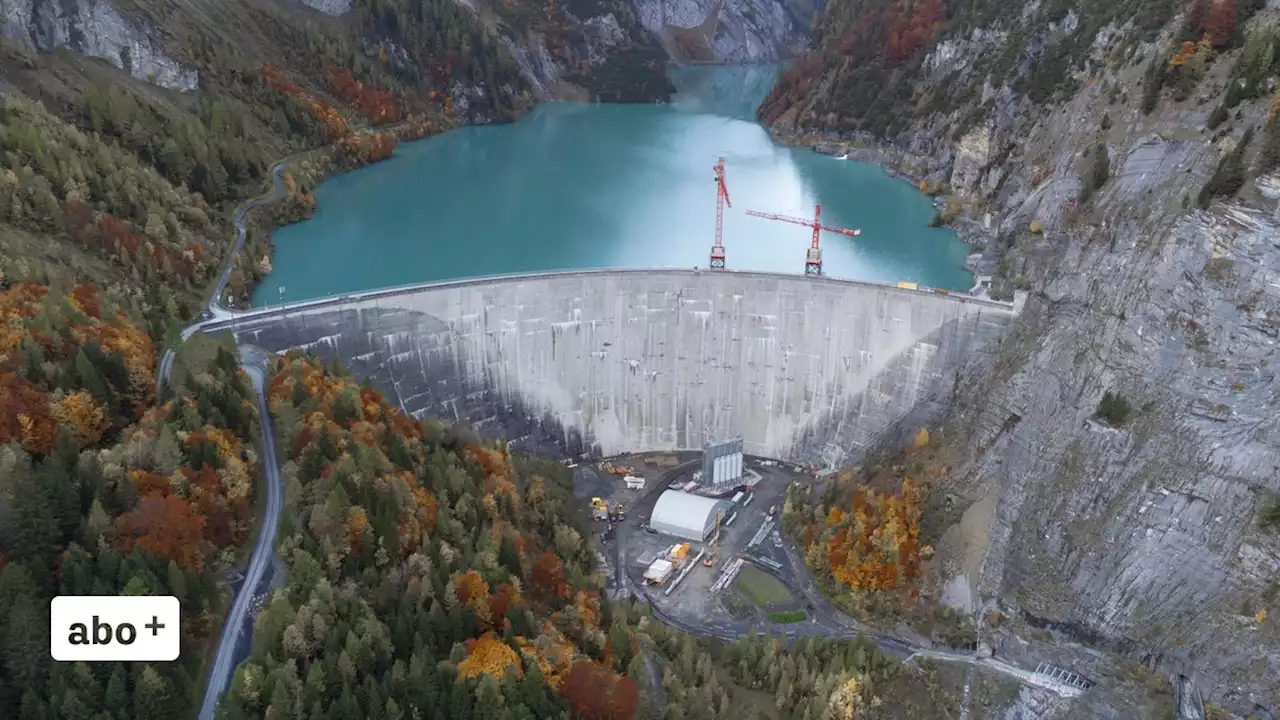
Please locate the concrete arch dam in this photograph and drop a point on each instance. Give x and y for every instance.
(806, 369)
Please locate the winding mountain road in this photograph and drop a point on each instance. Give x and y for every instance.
(237, 626)
(254, 362)
(213, 309)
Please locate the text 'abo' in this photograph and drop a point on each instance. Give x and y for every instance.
(110, 628)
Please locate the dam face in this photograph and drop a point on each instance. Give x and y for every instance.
(803, 368)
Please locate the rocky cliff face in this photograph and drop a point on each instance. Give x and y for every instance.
(96, 29)
(560, 48)
(595, 39)
(724, 30)
(1105, 544)
(603, 36)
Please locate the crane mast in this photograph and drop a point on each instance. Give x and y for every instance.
(722, 199)
(714, 549)
(813, 258)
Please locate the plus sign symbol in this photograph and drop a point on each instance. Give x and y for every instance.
(96, 628)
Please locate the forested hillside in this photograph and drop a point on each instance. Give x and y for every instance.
(870, 65)
(409, 544)
(432, 576)
(132, 185)
(104, 493)
(116, 199)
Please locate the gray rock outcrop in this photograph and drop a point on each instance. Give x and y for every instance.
(743, 30)
(332, 8)
(1139, 543)
(95, 28)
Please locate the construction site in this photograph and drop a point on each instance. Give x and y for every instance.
(696, 534)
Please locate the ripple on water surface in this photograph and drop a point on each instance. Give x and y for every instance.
(588, 186)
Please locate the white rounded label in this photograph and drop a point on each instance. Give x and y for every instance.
(115, 628)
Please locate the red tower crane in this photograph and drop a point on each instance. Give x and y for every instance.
(813, 259)
(722, 199)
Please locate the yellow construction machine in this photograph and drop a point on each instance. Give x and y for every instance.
(678, 554)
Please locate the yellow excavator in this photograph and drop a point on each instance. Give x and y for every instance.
(619, 470)
(714, 550)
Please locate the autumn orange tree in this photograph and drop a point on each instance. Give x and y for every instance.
(334, 124)
(874, 545)
(489, 655)
(596, 693)
(357, 150)
(167, 526)
(473, 592)
(376, 106)
(47, 343)
(548, 574)
(911, 27)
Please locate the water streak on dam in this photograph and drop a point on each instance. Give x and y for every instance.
(807, 369)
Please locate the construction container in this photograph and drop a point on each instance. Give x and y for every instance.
(658, 572)
(633, 482)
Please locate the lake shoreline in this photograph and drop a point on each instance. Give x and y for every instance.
(967, 230)
(556, 124)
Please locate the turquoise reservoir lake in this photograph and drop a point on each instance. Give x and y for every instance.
(573, 186)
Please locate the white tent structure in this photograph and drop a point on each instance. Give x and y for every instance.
(688, 516)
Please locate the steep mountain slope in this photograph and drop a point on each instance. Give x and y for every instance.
(1117, 159)
(159, 118)
(616, 49)
(131, 180)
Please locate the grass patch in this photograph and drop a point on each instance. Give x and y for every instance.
(199, 351)
(737, 606)
(760, 587)
(787, 616)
